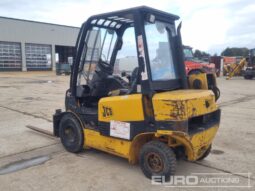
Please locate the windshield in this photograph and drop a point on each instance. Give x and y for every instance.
(160, 51)
(187, 53)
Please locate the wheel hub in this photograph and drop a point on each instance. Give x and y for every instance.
(69, 134)
(154, 161)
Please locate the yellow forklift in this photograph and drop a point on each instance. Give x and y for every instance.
(129, 94)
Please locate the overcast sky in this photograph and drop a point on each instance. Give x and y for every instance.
(208, 25)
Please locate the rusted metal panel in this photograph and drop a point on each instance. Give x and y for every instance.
(179, 105)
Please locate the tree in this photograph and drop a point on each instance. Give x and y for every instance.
(244, 52)
(200, 54)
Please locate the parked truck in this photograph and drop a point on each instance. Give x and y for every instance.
(194, 65)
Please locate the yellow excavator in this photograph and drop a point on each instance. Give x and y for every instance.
(129, 94)
(237, 69)
(246, 67)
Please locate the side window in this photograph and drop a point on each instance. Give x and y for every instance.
(108, 38)
(127, 60)
(99, 44)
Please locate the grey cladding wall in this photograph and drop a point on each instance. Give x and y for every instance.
(15, 30)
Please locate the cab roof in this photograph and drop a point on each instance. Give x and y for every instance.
(117, 18)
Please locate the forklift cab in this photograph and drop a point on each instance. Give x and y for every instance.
(127, 52)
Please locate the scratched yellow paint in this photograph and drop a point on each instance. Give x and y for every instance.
(204, 138)
(196, 144)
(183, 104)
(123, 148)
(108, 144)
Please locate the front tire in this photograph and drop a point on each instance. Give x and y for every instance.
(71, 133)
(157, 159)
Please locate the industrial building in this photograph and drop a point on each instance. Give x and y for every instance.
(29, 45)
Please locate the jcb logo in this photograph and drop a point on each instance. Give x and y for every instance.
(107, 111)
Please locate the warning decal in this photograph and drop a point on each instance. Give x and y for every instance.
(141, 54)
(120, 129)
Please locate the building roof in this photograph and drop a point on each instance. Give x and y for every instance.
(39, 22)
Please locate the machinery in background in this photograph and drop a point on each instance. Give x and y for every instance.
(229, 64)
(249, 71)
(63, 69)
(236, 69)
(245, 67)
(218, 62)
(194, 65)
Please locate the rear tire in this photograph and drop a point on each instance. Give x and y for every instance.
(157, 159)
(71, 133)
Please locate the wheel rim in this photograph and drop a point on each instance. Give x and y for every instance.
(154, 162)
(69, 134)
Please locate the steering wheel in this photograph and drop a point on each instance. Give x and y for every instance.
(105, 67)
